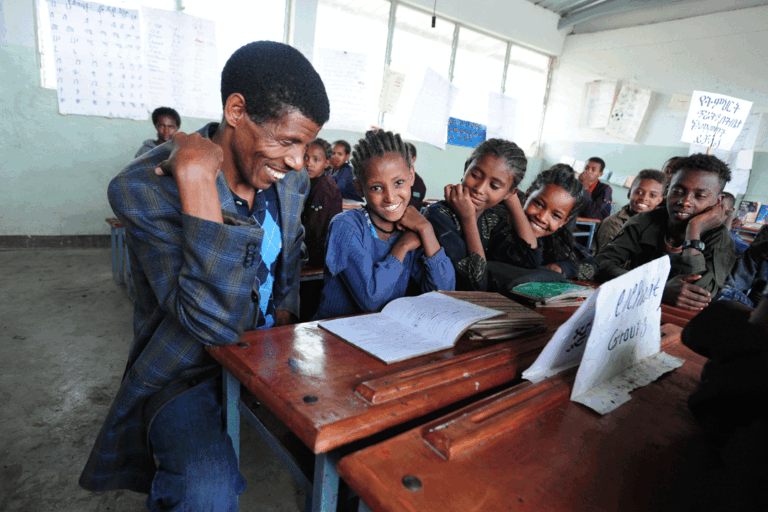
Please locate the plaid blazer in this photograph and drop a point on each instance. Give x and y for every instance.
(195, 285)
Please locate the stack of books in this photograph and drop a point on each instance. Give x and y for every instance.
(552, 294)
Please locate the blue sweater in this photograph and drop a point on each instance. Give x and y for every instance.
(362, 276)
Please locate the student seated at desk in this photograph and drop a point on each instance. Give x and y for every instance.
(544, 239)
(167, 122)
(419, 189)
(323, 202)
(732, 224)
(690, 230)
(646, 194)
(597, 196)
(374, 252)
(472, 212)
(748, 277)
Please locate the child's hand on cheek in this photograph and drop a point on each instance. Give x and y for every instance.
(405, 244)
(460, 201)
(703, 222)
(412, 220)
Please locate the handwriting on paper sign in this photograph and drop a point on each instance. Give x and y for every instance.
(715, 120)
(725, 104)
(639, 293)
(623, 335)
(580, 336)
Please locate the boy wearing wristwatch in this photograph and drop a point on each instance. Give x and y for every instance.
(690, 230)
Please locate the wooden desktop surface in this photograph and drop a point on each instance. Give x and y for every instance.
(330, 393)
(531, 448)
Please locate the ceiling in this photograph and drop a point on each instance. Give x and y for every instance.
(585, 16)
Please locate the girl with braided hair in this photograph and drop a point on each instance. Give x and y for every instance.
(551, 202)
(474, 211)
(372, 254)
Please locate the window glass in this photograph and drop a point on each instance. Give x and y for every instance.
(478, 70)
(359, 27)
(413, 29)
(527, 82)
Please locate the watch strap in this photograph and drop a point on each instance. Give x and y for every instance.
(694, 244)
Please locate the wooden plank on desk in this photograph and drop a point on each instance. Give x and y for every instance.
(566, 458)
(310, 378)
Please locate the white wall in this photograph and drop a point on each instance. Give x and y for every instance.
(723, 53)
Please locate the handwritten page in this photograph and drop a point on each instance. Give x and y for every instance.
(680, 102)
(628, 112)
(715, 120)
(627, 326)
(343, 74)
(598, 102)
(410, 326)
(180, 51)
(502, 116)
(98, 54)
(430, 113)
(391, 87)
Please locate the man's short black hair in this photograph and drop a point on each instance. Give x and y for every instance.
(165, 111)
(275, 79)
(598, 160)
(705, 163)
(345, 144)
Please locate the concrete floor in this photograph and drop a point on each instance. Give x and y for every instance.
(65, 331)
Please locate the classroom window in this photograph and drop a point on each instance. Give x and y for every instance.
(526, 81)
(413, 29)
(478, 70)
(359, 27)
(239, 23)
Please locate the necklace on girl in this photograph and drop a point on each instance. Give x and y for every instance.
(394, 228)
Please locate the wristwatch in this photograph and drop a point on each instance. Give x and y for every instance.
(694, 244)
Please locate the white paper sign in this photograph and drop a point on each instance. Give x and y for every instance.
(680, 102)
(568, 160)
(430, 113)
(391, 87)
(343, 74)
(598, 102)
(180, 51)
(98, 57)
(566, 347)
(715, 120)
(627, 325)
(628, 112)
(502, 116)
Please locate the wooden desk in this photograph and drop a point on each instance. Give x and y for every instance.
(311, 273)
(350, 204)
(531, 448)
(330, 394)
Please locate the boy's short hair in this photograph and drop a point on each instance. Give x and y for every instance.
(727, 196)
(274, 79)
(165, 111)
(598, 160)
(344, 144)
(704, 163)
(651, 174)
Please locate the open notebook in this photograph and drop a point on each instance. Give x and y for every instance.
(414, 326)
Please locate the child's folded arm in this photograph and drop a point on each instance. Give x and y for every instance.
(371, 285)
(435, 273)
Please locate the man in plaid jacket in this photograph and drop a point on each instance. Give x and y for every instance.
(213, 221)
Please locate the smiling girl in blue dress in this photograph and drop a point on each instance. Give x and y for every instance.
(373, 253)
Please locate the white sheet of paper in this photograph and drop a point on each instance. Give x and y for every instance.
(598, 102)
(579, 165)
(617, 179)
(610, 394)
(739, 181)
(715, 120)
(566, 347)
(98, 55)
(343, 74)
(391, 87)
(502, 116)
(182, 63)
(430, 113)
(680, 102)
(626, 324)
(628, 112)
(568, 160)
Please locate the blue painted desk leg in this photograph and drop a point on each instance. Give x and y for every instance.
(120, 255)
(325, 488)
(591, 236)
(231, 392)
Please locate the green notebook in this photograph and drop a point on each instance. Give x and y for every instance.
(551, 294)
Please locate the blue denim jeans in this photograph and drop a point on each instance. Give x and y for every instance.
(198, 469)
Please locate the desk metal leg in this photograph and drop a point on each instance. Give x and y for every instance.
(120, 255)
(113, 235)
(591, 236)
(231, 394)
(325, 489)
